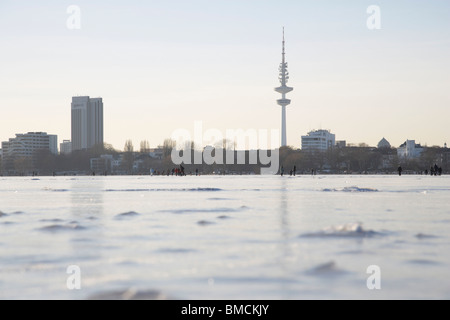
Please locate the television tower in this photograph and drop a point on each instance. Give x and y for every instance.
(283, 89)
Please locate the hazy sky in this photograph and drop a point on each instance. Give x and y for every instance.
(161, 65)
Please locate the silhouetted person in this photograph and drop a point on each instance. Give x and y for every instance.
(435, 169)
(282, 170)
(181, 170)
(295, 169)
(399, 170)
(440, 171)
(196, 172)
(290, 172)
(426, 172)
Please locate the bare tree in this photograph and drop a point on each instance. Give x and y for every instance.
(168, 146)
(44, 161)
(23, 165)
(429, 157)
(128, 146)
(109, 149)
(145, 146)
(128, 157)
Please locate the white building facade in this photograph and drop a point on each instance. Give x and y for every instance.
(409, 150)
(320, 140)
(87, 122)
(26, 145)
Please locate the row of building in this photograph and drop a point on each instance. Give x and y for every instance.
(86, 132)
(323, 140)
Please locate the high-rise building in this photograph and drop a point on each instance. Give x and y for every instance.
(320, 140)
(283, 89)
(87, 122)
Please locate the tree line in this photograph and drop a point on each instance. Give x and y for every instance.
(338, 160)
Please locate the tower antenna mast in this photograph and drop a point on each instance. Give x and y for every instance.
(283, 90)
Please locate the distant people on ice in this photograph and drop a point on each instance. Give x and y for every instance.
(435, 170)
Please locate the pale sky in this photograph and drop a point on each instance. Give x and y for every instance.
(162, 65)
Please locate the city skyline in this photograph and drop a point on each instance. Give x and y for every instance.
(161, 67)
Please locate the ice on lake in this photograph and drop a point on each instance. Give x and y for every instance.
(225, 237)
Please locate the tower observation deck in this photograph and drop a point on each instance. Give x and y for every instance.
(283, 90)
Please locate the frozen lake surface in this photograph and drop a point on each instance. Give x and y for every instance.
(225, 237)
